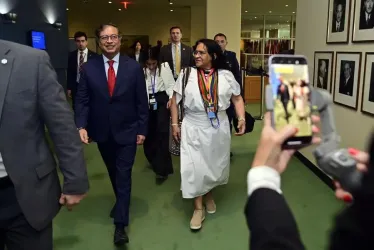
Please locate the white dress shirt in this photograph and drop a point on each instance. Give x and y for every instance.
(163, 82)
(115, 64)
(263, 177)
(3, 172)
(85, 54)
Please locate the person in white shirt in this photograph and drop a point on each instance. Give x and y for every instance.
(160, 83)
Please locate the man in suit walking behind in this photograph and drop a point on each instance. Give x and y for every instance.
(76, 59)
(176, 54)
(30, 192)
(112, 109)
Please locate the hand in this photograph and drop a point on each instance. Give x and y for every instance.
(69, 93)
(168, 104)
(84, 136)
(176, 133)
(241, 128)
(69, 201)
(140, 139)
(269, 151)
(362, 159)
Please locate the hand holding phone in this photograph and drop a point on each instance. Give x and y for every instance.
(289, 79)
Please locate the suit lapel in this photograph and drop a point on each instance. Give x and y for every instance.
(6, 65)
(184, 56)
(102, 80)
(121, 74)
(170, 54)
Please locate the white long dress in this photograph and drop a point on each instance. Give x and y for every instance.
(205, 150)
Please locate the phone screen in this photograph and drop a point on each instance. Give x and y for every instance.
(289, 79)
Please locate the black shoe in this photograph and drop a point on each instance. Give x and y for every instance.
(231, 155)
(120, 237)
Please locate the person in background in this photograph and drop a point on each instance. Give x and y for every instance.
(75, 61)
(205, 134)
(234, 67)
(31, 100)
(176, 54)
(160, 83)
(138, 53)
(112, 109)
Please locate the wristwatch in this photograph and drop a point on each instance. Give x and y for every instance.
(241, 119)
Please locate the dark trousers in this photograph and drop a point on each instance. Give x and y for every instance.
(119, 160)
(231, 114)
(156, 145)
(15, 232)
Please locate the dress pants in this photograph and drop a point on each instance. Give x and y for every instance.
(15, 232)
(119, 160)
(156, 145)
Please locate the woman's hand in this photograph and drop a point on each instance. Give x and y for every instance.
(362, 159)
(241, 128)
(176, 133)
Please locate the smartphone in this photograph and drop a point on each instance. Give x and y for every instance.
(289, 80)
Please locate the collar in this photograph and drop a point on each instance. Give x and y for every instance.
(115, 59)
(85, 51)
(178, 44)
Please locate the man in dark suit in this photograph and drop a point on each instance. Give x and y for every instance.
(338, 18)
(233, 64)
(30, 193)
(366, 15)
(346, 79)
(176, 54)
(76, 59)
(112, 109)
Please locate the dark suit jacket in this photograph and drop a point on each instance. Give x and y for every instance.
(234, 67)
(30, 100)
(72, 70)
(142, 57)
(187, 59)
(363, 23)
(271, 222)
(346, 89)
(125, 114)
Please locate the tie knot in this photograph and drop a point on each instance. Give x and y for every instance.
(111, 62)
(81, 52)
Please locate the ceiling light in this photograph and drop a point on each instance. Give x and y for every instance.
(171, 3)
(109, 2)
(293, 12)
(269, 11)
(119, 9)
(246, 11)
(286, 5)
(255, 17)
(171, 10)
(67, 8)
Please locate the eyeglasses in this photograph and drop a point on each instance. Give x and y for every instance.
(114, 38)
(200, 53)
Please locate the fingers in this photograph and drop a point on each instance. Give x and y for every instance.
(359, 156)
(286, 133)
(267, 119)
(316, 119)
(62, 200)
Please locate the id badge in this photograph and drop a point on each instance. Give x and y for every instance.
(152, 100)
(78, 77)
(211, 113)
(155, 106)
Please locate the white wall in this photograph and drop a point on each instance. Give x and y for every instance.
(353, 126)
(136, 21)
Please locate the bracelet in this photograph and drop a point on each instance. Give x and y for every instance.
(174, 124)
(241, 119)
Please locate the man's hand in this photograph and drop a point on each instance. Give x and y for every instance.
(140, 139)
(168, 105)
(69, 201)
(269, 151)
(84, 136)
(241, 128)
(69, 93)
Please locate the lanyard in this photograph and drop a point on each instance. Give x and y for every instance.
(153, 83)
(208, 85)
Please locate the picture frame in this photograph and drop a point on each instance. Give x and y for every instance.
(338, 21)
(363, 21)
(367, 96)
(323, 70)
(347, 79)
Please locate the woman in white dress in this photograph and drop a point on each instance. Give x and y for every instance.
(205, 136)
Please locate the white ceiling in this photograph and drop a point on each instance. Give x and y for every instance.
(251, 6)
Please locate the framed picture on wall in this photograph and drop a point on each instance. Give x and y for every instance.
(363, 22)
(367, 102)
(338, 21)
(347, 78)
(323, 69)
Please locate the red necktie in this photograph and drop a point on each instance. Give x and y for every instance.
(111, 77)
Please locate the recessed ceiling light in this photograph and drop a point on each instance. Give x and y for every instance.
(109, 2)
(119, 9)
(293, 12)
(67, 8)
(171, 10)
(286, 5)
(269, 11)
(255, 17)
(171, 3)
(246, 11)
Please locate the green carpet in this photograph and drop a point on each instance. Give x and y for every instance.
(160, 217)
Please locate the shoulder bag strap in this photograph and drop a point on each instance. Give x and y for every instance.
(186, 74)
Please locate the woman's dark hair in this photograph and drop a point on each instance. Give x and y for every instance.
(133, 46)
(215, 51)
(153, 54)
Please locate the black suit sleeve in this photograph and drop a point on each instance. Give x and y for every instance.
(82, 99)
(58, 117)
(70, 74)
(162, 55)
(192, 59)
(236, 69)
(141, 102)
(271, 222)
